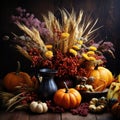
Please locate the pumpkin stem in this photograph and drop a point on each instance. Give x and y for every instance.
(66, 87)
(96, 67)
(18, 67)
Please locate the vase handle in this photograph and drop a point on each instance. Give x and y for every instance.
(40, 78)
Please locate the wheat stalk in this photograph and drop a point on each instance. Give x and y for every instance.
(23, 52)
(77, 26)
(5, 96)
(34, 35)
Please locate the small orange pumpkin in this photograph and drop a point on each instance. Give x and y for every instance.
(14, 79)
(102, 78)
(67, 98)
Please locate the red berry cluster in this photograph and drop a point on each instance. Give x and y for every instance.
(35, 54)
(82, 109)
(65, 64)
(54, 108)
(28, 97)
(46, 63)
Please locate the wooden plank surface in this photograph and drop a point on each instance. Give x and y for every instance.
(105, 116)
(14, 116)
(69, 116)
(28, 116)
(46, 116)
(52, 116)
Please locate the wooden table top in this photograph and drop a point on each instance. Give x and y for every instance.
(21, 115)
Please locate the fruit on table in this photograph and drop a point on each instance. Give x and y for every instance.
(102, 78)
(114, 91)
(14, 79)
(67, 97)
(97, 105)
(38, 107)
(86, 87)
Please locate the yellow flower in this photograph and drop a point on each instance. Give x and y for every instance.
(49, 54)
(74, 52)
(92, 48)
(49, 46)
(80, 42)
(84, 55)
(65, 35)
(88, 58)
(76, 47)
(90, 53)
(92, 59)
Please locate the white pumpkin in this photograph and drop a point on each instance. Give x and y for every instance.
(38, 107)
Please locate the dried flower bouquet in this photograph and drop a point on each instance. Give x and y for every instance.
(67, 44)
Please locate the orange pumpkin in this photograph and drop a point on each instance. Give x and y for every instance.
(102, 78)
(67, 98)
(13, 79)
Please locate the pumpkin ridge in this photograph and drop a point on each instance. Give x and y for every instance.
(77, 96)
(26, 79)
(73, 100)
(58, 97)
(66, 101)
(102, 77)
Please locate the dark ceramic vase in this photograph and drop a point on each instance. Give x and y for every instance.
(48, 86)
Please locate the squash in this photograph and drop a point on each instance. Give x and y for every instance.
(86, 87)
(97, 105)
(114, 92)
(67, 98)
(14, 79)
(102, 78)
(38, 107)
(116, 110)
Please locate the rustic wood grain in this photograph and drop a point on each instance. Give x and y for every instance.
(69, 116)
(46, 116)
(52, 116)
(14, 116)
(105, 116)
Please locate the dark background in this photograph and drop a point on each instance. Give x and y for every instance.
(107, 11)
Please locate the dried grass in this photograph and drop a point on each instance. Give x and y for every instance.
(77, 26)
